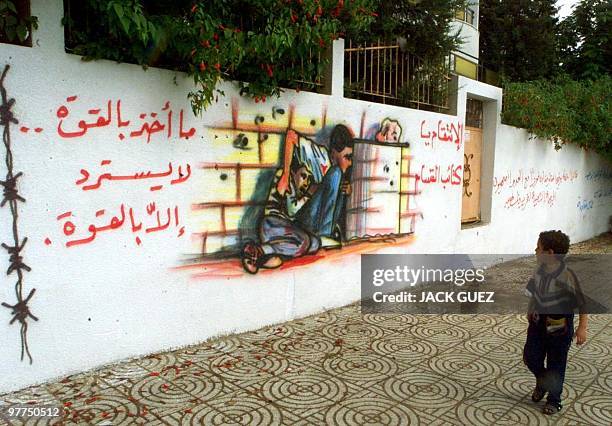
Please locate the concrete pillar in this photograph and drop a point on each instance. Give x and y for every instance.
(334, 75)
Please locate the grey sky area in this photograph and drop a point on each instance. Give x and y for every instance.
(565, 7)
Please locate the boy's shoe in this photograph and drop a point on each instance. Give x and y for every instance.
(251, 257)
(327, 242)
(271, 262)
(538, 394)
(551, 408)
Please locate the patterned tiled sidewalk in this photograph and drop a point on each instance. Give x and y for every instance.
(344, 368)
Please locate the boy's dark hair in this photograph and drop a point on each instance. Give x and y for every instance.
(556, 241)
(296, 163)
(341, 137)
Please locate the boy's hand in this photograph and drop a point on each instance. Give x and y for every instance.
(346, 187)
(283, 184)
(581, 335)
(292, 137)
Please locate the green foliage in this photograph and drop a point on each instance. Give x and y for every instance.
(518, 38)
(423, 26)
(269, 44)
(15, 28)
(563, 110)
(127, 31)
(585, 45)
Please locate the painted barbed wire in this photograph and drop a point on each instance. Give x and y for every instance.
(20, 310)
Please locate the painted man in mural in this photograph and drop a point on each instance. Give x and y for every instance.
(389, 131)
(305, 202)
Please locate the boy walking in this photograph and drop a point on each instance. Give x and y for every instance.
(555, 293)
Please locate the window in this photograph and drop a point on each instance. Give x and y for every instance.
(16, 23)
(466, 68)
(473, 115)
(466, 15)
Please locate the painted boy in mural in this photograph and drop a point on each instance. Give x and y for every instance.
(555, 293)
(305, 202)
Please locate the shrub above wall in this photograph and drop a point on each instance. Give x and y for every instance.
(263, 44)
(563, 110)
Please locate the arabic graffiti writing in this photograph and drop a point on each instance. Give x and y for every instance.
(444, 175)
(602, 193)
(171, 217)
(146, 128)
(521, 200)
(180, 178)
(76, 121)
(531, 178)
(583, 205)
(599, 174)
(531, 188)
(443, 132)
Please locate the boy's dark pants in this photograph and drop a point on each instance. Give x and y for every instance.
(554, 348)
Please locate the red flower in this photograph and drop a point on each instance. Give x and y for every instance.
(217, 66)
(205, 43)
(202, 66)
(194, 8)
(216, 36)
(321, 42)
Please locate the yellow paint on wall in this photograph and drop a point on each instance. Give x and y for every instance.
(225, 151)
(216, 243)
(233, 215)
(205, 220)
(215, 185)
(403, 203)
(273, 116)
(271, 149)
(250, 178)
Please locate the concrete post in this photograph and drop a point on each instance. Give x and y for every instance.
(334, 81)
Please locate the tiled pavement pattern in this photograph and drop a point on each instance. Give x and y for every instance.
(343, 368)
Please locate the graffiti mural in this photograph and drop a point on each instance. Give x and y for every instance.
(288, 188)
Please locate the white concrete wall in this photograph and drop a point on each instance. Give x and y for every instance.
(470, 35)
(112, 298)
(470, 39)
